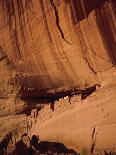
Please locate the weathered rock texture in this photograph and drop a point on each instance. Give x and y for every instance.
(89, 123)
(52, 46)
(58, 43)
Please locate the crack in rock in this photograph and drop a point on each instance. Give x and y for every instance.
(93, 140)
(2, 54)
(93, 133)
(57, 21)
(92, 147)
(90, 66)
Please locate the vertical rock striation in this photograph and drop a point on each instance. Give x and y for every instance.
(58, 43)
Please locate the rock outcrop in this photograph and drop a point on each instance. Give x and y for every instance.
(88, 123)
(53, 49)
(56, 43)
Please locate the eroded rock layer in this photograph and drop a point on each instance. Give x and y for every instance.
(78, 124)
(58, 43)
(51, 49)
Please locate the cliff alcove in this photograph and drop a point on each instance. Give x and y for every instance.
(57, 72)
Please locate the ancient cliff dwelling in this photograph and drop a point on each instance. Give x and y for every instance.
(57, 77)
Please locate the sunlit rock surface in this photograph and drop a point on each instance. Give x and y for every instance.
(58, 43)
(51, 48)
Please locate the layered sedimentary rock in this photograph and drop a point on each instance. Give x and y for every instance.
(56, 43)
(77, 123)
(88, 123)
(54, 48)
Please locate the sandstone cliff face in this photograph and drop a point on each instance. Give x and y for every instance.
(58, 43)
(88, 123)
(48, 47)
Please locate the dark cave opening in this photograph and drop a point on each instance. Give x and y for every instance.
(38, 100)
(51, 96)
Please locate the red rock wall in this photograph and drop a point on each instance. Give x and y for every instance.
(58, 43)
(89, 123)
(64, 43)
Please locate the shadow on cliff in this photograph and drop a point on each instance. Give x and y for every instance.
(54, 147)
(38, 102)
(4, 143)
(34, 146)
(83, 8)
